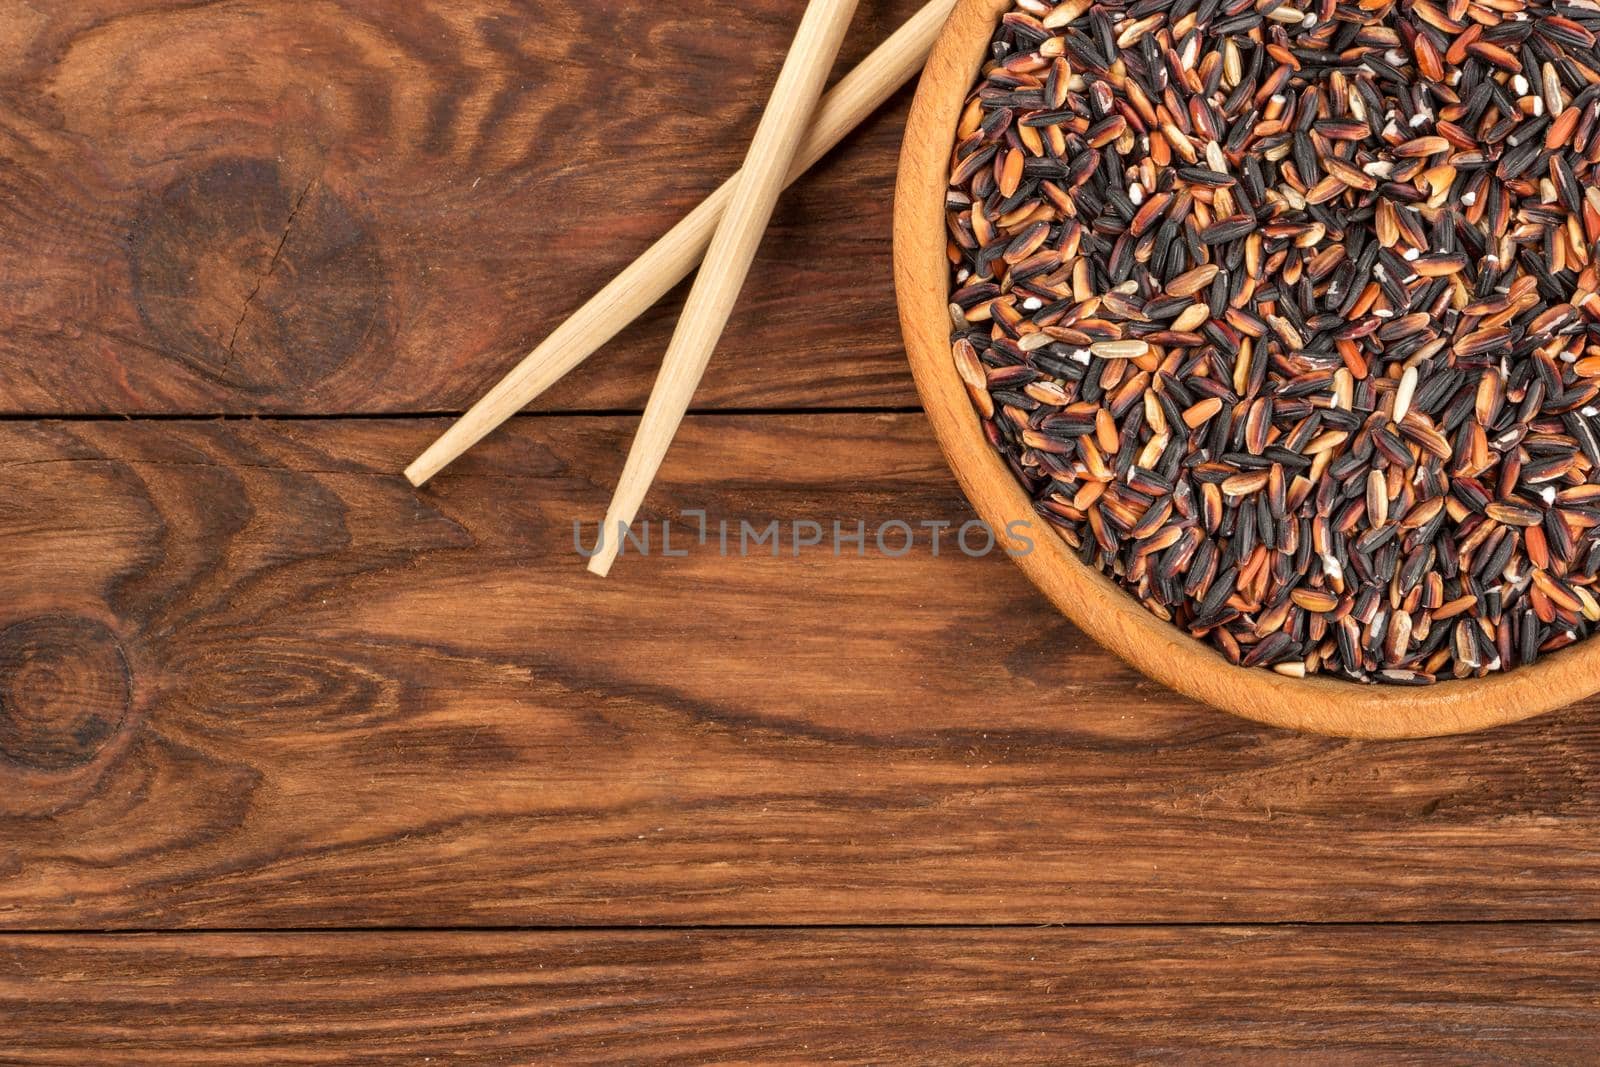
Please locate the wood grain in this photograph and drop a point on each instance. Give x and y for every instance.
(235, 207)
(250, 679)
(1507, 993)
(320, 698)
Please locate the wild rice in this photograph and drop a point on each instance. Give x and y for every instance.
(1285, 314)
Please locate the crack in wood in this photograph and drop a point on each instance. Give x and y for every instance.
(272, 265)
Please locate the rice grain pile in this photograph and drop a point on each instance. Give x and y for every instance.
(1286, 317)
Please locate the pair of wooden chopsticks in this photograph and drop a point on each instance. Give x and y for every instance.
(726, 228)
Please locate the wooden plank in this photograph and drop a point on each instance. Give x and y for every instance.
(249, 678)
(348, 208)
(1501, 993)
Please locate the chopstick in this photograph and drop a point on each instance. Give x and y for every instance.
(727, 264)
(669, 260)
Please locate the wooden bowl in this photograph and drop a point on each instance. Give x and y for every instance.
(1088, 598)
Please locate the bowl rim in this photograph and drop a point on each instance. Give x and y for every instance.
(1090, 600)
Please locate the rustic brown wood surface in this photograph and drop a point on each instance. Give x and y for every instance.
(337, 207)
(1509, 993)
(251, 680)
(292, 691)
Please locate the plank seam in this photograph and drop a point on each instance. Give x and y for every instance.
(395, 416)
(1334, 924)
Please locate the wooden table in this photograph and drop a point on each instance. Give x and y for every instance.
(298, 764)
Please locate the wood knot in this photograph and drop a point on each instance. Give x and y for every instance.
(267, 284)
(65, 692)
